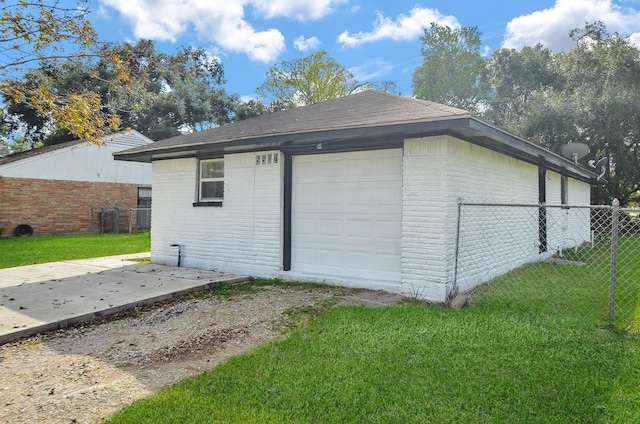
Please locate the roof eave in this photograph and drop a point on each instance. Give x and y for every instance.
(265, 142)
(465, 127)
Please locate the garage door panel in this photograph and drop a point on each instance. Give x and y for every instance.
(305, 256)
(305, 226)
(328, 170)
(358, 260)
(306, 198)
(387, 230)
(388, 195)
(359, 228)
(359, 169)
(330, 227)
(390, 166)
(348, 209)
(358, 195)
(387, 263)
(329, 258)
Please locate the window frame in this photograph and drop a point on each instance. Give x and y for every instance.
(209, 201)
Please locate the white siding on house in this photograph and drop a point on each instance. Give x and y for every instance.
(243, 236)
(85, 162)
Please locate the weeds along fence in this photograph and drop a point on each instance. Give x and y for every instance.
(579, 258)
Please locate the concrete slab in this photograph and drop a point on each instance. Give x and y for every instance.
(38, 298)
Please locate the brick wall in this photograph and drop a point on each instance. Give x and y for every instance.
(62, 207)
(244, 235)
(438, 172)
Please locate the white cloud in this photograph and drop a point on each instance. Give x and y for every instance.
(302, 10)
(372, 70)
(222, 22)
(403, 28)
(306, 44)
(551, 27)
(635, 38)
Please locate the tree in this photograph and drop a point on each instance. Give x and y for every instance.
(253, 108)
(40, 30)
(167, 93)
(163, 95)
(308, 80)
(603, 81)
(514, 79)
(596, 102)
(452, 69)
(386, 86)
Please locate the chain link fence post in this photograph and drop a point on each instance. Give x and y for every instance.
(116, 219)
(615, 220)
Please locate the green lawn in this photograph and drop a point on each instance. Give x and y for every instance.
(506, 359)
(17, 251)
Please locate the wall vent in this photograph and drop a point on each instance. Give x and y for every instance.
(267, 159)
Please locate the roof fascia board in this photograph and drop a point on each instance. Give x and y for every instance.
(529, 151)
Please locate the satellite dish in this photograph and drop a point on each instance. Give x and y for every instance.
(575, 151)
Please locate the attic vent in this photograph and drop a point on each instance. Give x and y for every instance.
(267, 159)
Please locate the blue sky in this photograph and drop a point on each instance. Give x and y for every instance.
(377, 40)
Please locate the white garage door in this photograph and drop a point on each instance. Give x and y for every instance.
(346, 214)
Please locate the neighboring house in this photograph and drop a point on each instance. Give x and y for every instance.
(61, 189)
(361, 191)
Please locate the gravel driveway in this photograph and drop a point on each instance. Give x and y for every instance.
(86, 373)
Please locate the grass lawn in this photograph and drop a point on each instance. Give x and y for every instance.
(17, 251)
(506, 359)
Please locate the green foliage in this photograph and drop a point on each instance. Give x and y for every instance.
(38, 31)
(18, 251)
(590, 94)
(516, 79)
(596, 101)
(308, 80)
(452, 69)
(253, 108)
(159, 94)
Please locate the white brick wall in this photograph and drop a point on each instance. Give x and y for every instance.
(425, 231)
(244, 235)
(438, 173)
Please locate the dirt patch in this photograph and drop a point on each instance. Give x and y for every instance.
(86, 373)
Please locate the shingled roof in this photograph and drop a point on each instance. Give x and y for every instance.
(364, 120)
(369, 109)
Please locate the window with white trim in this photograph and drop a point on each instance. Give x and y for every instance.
(211, 180)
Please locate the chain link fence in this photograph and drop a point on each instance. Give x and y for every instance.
(139, 220)
(112, 219)
(105, 219)
(581, 259)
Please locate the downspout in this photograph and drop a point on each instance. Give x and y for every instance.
(454, 288)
